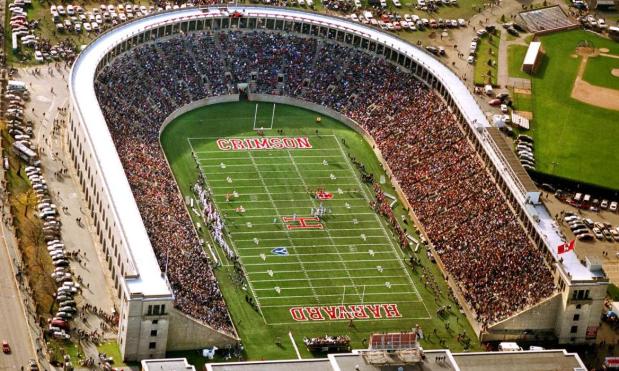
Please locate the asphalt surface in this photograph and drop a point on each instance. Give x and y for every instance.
(13, 324)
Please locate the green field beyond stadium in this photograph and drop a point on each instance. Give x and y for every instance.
(574, 140)
(311, 262)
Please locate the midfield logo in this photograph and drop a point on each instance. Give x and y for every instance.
(302, 222)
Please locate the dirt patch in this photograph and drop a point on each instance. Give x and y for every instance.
(522, 91)
(585, 51)
(615, 72)
(526, 114)
(591, 94)
(604, 50)
(574, 56)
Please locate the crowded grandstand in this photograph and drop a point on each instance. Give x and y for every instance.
(476, 234)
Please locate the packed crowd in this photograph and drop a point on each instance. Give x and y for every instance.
(327, 341)
(382, 207)
(212, 219)
(466, 217)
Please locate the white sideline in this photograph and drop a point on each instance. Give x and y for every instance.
(294, 345)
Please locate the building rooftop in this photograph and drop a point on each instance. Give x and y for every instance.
(169, 364)
(532, 51)
(547, 360)
(435, 360)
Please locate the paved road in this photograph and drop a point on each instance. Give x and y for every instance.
(13, 325)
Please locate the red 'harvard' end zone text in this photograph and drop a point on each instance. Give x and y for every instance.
(260, 143)
(345, 312)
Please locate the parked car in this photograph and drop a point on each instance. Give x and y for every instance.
(584, 237)
(6, 348)
(598, 233)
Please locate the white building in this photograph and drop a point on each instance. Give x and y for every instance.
(149, 323)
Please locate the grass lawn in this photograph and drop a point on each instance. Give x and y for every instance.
(598, 71)
(515, 57)
(487, 50)
(581, 138)
(59, 348)
(522, 102)
(111, 349)
(353, 259)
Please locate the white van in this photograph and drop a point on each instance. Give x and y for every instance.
(509, 347)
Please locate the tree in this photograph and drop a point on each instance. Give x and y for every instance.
(27, 199)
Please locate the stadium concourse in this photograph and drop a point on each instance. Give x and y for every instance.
(476, 234)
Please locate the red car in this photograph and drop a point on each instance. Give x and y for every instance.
(6, 349)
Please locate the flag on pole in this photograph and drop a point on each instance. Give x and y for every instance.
(565, 247)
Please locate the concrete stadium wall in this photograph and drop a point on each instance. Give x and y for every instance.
(533, 319)
(185, 333)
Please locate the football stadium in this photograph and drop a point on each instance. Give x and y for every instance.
(260, 178)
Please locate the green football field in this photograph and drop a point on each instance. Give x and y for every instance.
(345, 257)
(308, 274)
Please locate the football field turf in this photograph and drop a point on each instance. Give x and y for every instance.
(348, 257)
(307, 275)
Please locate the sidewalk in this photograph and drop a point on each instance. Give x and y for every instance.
(49, 94)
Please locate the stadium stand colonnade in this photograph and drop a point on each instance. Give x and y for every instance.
(388, 87)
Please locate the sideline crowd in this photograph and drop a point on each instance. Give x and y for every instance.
(457, 201)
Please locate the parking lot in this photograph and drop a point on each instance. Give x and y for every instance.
(91, 305)
(600, 247)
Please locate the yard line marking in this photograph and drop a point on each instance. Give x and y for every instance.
(262, 150)
(264, 193)
(280, 217)
(323, 262)
(311, 238)
(324, 278)
(267, 157)
(294, 345)
(287, 178)
(266, 136)
(330, 223)
(328, 253)
(298, 200)
(284, 171)
(332, 287)
(345, 303)
(328, 295)
(315, 246)
(232, 243)
(284, 207)
(267, 217)
(268, 164)
(305, 231)
(381, 222)
(332, 184)
(356, 320)
(373, 269)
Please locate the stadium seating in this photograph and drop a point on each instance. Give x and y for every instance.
(454, 196)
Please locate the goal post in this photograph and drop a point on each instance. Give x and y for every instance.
(264, 118)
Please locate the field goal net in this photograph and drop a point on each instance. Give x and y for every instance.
(264, 116)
